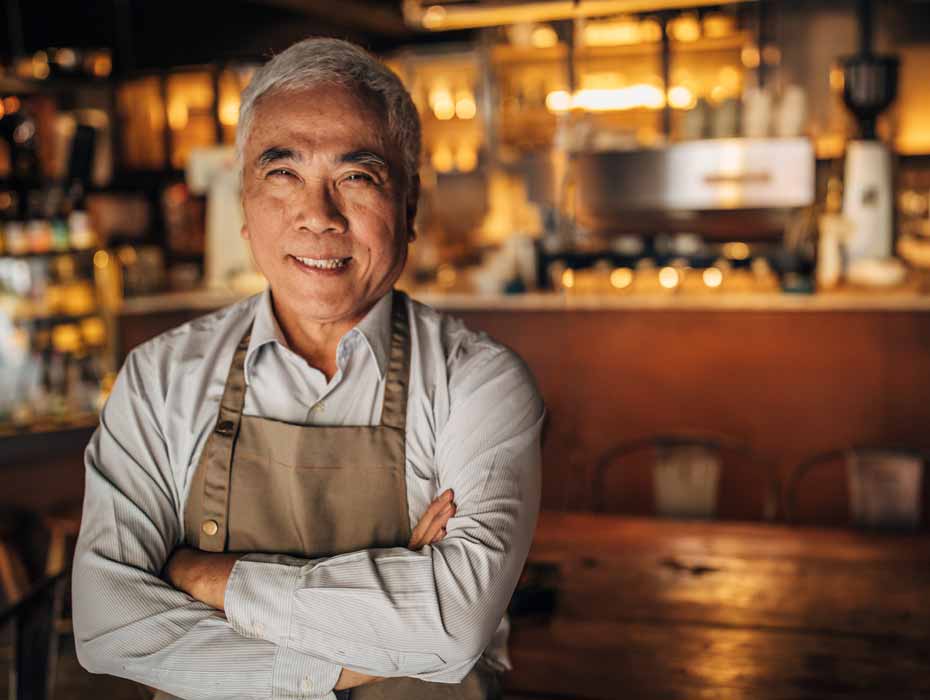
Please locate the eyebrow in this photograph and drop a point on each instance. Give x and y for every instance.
(275, 153)
(364, 157)
(360, 157)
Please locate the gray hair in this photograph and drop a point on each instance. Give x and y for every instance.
(318, 61)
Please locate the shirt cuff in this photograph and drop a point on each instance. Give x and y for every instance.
(300, 676)
(258, 599)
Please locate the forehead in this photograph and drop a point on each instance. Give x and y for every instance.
(317, 119)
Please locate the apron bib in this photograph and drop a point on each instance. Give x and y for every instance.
(314, 491)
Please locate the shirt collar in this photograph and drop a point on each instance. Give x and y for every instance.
(374, 329)
(265, 329)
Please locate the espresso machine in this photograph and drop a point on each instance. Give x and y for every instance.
(869, 87)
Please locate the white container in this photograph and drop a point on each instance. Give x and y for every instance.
(867, 200)
(835, 230)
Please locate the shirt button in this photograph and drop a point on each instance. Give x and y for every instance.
(259, 629)
(319, 408)
(306, 685)
(210, 527)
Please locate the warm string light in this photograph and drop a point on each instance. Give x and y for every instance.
(669, 277)
(229, 110)
(443, 160)
(736, 250)
(40, 69)
(685, 28)
(544, 37)
(621, 278)
(178, 114)
(465, 107)
(434, 17)
(445, 106)
(713, 277)
(464, 158)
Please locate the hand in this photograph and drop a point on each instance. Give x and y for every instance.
(353, 679)
(202, 575)
(430, 529)
(432, 524)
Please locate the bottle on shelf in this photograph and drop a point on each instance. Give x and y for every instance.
(81, 235)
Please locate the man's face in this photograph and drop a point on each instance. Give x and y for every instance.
(327, 209)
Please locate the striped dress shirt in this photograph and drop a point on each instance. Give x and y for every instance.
(473, 424)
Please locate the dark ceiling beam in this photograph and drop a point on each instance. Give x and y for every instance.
(370, 19)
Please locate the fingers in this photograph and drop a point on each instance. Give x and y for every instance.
(439, 524)
(433, 521)
(432, 512)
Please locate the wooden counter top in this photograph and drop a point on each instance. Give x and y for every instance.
(846, 300)
(649, 608)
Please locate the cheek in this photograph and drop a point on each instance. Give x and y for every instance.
(264, 215)
(376, 221)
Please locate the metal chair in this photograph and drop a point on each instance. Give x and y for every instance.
(886, 488)
(35, 643)
(688, 475)
(35, 557)
(14, 577)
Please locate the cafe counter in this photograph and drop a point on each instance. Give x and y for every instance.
(789, 375)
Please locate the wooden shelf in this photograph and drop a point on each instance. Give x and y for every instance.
(49, 254)
(506, 54)
(20, 445)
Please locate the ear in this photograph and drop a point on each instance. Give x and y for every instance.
(244, 232)
(413, 199)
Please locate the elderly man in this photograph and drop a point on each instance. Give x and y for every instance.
(327, 486)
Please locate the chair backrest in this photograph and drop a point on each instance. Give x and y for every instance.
(36, 646)
(14, 573)
(885, 488)
(689, 473)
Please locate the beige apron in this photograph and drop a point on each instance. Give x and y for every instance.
(312, 491)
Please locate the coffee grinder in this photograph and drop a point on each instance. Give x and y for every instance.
(869, 87)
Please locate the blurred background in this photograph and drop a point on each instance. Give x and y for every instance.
(704, 225)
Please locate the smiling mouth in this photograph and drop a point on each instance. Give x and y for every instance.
(323, 263)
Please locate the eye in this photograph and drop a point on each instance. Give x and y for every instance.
(280, 173)
(357, 176)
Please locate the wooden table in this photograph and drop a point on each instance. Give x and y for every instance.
(668, 609)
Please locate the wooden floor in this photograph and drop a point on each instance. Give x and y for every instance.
(73, 682)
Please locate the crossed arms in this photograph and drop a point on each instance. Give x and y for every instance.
(291, 625)
(204, 576)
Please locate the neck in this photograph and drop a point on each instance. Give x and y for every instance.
(315, 341)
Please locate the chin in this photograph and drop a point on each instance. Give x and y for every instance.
(326, 304)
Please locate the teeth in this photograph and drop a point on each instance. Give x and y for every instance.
(324, 263)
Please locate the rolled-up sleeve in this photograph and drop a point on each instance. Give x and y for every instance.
(431, 613)
(128, 622)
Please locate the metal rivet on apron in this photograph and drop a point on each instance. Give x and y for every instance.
(209, 527)
(225, 427)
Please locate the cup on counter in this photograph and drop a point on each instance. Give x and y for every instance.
(790, 112)
(757, 112)
(724, 123)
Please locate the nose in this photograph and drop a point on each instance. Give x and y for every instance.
(319, 211)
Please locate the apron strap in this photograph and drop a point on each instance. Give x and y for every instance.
(394, 408)
(216, 458)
